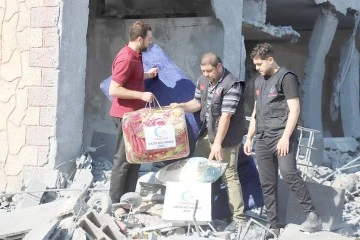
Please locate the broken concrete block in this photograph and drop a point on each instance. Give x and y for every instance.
(292, 232)
(52, 179)
(343, 144)
(346, 181)
(72, 206)
(42, 232)
(66, 228)
(100, 226)
(32, 199)
(32, 217)
(79, 234)
(82, 180)
(328, 201)
(148, 177)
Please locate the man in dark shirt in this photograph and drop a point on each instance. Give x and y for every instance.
(219, 98)
(127, 91)
(274, 121)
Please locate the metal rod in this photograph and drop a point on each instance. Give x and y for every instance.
(339, 169)
(194, 218)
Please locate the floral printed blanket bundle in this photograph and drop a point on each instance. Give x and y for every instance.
(155, 134)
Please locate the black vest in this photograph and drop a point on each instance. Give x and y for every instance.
(271, 106)
(237, 125)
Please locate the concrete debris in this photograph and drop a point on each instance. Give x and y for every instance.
(101, 202)
(251, 28)
(79, 234)
(343, 144)
(131, 200)
(42, 232)
(52, 179)
(329, 203)
(149, 177)
(82, 180)
(347, 182)
(292, 232)
(32, 199)
(102, 170)
(65, 229)
(84, 211)
(100, 226)
(340, 6)
(33, 217)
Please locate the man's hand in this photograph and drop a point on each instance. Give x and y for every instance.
(147, 97)
(248, 146)
(215, 152)
(153, 72)
(283, 146)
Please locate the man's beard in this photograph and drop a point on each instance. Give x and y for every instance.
(143, 48)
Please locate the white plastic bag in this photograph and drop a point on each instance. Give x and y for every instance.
(195, 169)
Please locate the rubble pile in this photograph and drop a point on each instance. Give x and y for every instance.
(341, 170)
(58, 207)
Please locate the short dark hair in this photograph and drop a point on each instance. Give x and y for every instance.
(138, 29)
(262, 51)
(210, 58)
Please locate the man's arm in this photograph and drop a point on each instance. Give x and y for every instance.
(117, 90)
(223, 128)
(190, 106)
(294, 107)
(251, 132)
(294, 112)
(252, 124)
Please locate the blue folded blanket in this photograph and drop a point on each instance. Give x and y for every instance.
(171, 85)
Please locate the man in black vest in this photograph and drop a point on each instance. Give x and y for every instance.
(219, 98)
(274, 121)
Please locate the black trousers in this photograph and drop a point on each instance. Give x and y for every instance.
(268, 163)
(124, 175)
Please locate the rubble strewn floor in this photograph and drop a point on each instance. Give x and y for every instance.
(81, 209)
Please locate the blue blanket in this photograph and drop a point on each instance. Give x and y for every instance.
(171, 85)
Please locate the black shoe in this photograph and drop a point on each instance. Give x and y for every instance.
(269, 235)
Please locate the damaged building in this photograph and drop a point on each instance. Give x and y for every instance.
(54, 54)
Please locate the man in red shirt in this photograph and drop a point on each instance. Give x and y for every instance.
(127, 91)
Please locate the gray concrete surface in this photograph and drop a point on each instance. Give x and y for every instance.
(319, 45)
(229, 12)
(292, 232)
(328, 201)
(71, 85)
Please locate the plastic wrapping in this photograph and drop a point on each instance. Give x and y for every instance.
(195, 169)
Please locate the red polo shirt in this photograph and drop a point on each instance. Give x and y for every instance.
(128, 70)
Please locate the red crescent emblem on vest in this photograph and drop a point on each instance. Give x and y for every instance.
(202, 87)
(273, 91)
(218, 91)
(257, 91)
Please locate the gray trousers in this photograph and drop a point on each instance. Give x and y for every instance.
(268, 163)
(124, 175)
(230, 177)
